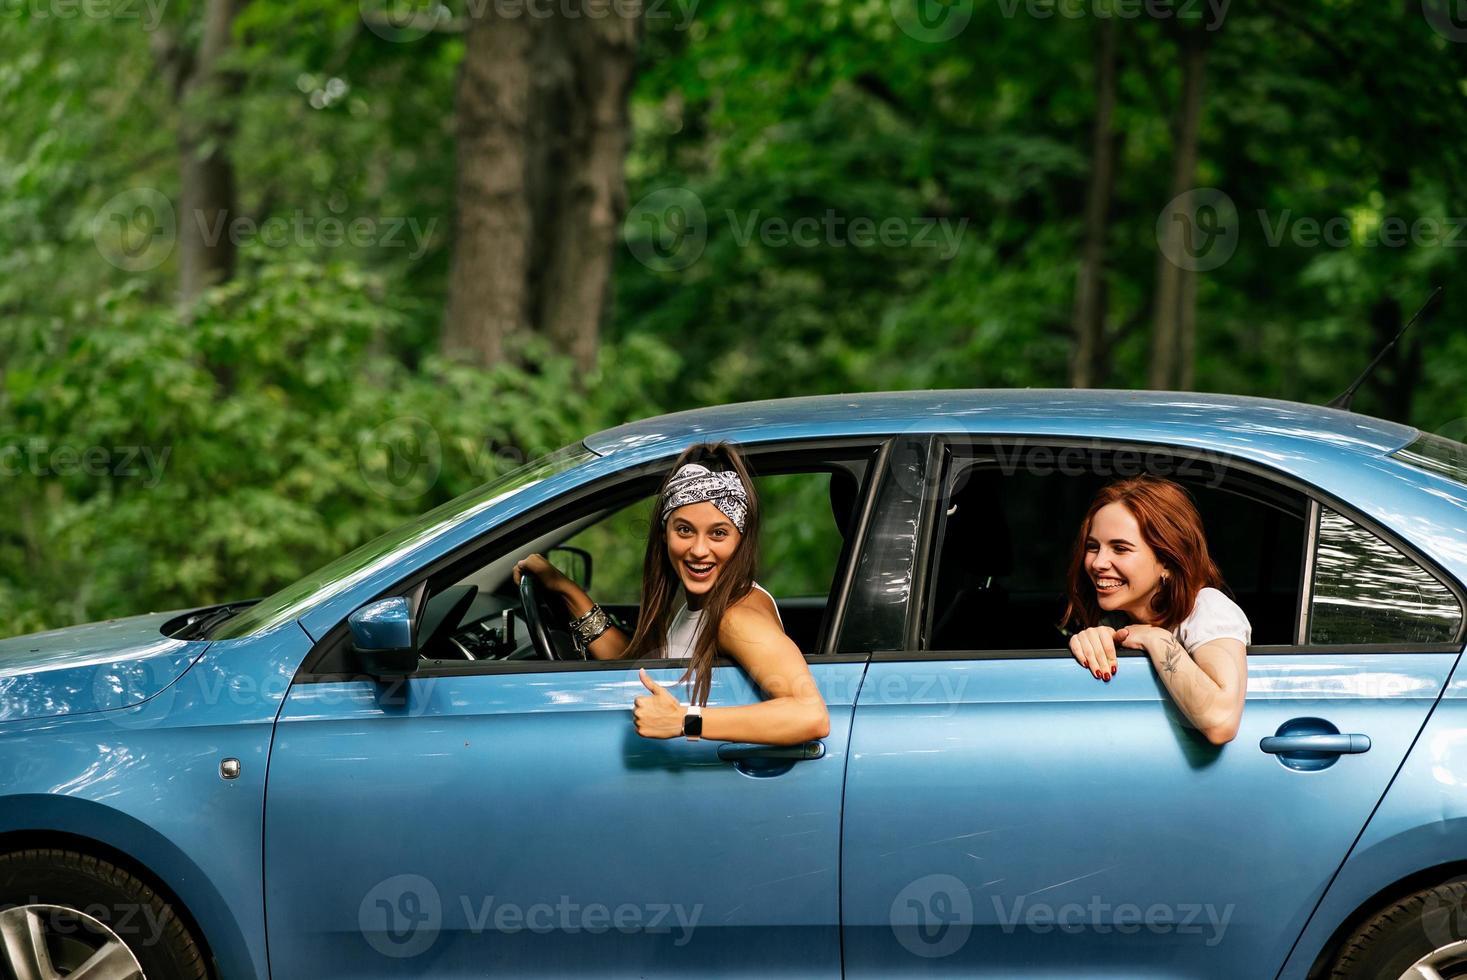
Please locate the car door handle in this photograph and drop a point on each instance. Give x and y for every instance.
(1333, 744)
(739, 751)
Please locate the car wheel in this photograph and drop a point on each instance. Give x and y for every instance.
(1421, 937)
(64, 914)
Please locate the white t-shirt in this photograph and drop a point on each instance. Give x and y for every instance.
(1213, 617)
(683, 632)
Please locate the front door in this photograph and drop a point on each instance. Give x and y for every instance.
(503, 817)
(515, 824)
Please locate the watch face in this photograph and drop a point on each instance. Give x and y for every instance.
(692, 725)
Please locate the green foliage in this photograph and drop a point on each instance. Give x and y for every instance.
(301, 409)
(155, 463)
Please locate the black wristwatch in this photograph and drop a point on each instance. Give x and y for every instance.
(693, 723)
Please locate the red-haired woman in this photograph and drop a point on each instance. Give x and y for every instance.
(1142, 552)
(702, 548)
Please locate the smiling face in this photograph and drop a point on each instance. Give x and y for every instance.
(700, 542)
(1123, 568)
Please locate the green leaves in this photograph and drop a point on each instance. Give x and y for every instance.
(162, 462)
(303, 408)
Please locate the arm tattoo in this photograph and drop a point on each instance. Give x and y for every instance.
(1173, 655)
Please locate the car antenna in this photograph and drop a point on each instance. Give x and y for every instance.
(1343, 401)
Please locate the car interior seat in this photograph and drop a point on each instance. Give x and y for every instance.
(970, 604)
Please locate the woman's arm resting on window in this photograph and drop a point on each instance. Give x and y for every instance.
(795, 711)
(1208, 687)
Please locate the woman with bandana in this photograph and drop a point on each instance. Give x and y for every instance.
(700, 600)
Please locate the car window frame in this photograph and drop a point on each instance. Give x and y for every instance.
(1315, 497)
(623, 487)
(885, 505)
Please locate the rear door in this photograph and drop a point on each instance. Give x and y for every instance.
(1006, 814)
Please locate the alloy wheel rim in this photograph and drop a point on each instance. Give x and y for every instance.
(1441, 963)
(53, 942)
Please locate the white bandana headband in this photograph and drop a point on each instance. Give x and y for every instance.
(695, 483)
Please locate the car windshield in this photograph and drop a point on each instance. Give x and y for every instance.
(353, 567)
(1436, 454)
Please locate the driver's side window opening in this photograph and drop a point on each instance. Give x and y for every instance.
(1010, 520)
(800, 542)
(808, 507)
(615, 543)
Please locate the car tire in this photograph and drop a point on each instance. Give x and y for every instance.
(1429, 925)
(78, 906)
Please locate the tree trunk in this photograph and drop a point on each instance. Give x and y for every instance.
(488, 298)
(1087, 368)
(1187, 333)
(1171, 293)
(205, 91)
(590, 193)
(543, 134)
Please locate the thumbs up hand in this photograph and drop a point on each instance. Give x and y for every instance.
(657, 714)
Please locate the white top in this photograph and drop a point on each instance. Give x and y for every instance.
(683, 632)
(1213, 616)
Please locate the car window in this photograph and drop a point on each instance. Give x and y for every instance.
(1366, 591)
(799, 543)
(617, 544)
(1008, 526)
(801, 548)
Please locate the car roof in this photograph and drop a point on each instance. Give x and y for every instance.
(1222, 421)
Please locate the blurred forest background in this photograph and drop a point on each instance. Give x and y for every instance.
(275, 276)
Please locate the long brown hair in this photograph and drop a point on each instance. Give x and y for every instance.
(660, 582)
(1172, 528)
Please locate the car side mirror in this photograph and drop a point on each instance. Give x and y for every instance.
(574, 562)
(382, 636)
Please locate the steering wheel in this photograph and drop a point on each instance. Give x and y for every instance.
(540, 616)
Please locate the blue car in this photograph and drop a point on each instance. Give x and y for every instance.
(402, 765)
